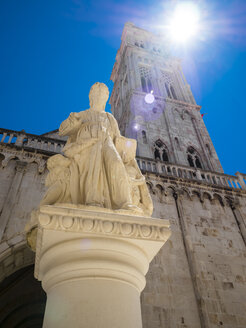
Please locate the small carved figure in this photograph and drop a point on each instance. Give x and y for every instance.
(58, 181)
(139, 190)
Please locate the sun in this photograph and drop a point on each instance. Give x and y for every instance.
(184, 23)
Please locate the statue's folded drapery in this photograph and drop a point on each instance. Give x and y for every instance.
(98, 175)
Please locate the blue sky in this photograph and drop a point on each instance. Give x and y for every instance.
(53, 51)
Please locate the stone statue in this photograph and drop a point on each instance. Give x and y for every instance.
(98, 168)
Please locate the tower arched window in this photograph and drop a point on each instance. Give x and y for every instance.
(177, 143)
(164, 155)
(190, 161)
(146, 78)
(160, 151)
(143, 83)
(149, 85)
(193, 158)
(208, 149)
(157, 154)
(198, 163)
(167, 90)
(173, 92)
(144, 136)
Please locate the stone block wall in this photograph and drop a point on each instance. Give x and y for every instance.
(22, 187)
(199, 277)
(168, 299)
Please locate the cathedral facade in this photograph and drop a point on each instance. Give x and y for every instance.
(198, 279)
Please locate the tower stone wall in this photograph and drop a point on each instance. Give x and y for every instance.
(145, 66)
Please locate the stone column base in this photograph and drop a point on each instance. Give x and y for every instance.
(92, 264)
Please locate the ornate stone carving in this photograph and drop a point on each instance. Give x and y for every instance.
(23, 156)
(92, 220)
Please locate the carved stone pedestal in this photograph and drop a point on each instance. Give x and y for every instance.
(92, 264)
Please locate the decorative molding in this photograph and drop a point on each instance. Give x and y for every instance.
(23, 156)
(92, 220)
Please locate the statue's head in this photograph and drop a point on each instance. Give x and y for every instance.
(98, 96)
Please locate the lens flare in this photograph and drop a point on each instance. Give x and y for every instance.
(149, 98)
(136, 126)
(185, 22)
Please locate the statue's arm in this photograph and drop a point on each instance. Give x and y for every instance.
(71, 124)
(114, 125)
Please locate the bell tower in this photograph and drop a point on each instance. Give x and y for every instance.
(153, 103)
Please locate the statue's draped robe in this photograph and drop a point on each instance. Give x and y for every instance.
(98, 175)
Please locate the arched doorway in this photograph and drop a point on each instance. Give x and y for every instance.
(22, 300)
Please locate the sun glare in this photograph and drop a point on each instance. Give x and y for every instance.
(136, 126)
(185, 22)
(149, 98)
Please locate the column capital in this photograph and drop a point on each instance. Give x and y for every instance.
(63, 224)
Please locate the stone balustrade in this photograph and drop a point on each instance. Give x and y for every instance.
(32, 141)
(190, 173)
(27, 140)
